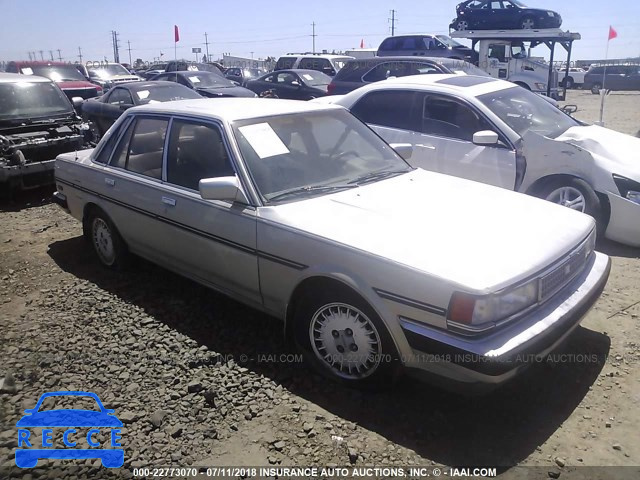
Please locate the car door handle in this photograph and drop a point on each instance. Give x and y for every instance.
(110, 181)
(169, 201)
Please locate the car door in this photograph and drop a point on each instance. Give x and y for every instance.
(118, 100)
(288, 85)
(498, 60)
(631, 80)
(482, 14)
(441, 130)
(210, 240)
(131, 184)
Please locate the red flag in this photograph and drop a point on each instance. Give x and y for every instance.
(612, 33)
(362, 43)
(176, 33)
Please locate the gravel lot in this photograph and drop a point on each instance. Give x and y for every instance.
(199, 379)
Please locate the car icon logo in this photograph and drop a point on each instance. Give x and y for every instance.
(70, 419)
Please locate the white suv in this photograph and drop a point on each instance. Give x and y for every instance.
(328, 64)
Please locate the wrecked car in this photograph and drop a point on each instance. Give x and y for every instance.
(303, 212)
(37, 123)
(495, 132)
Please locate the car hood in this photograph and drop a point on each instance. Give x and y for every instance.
(617, 152)
(69, 418)
(225, 92)
(75, 84)
(474, 235)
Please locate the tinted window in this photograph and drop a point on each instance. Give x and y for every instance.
(395, 109)
(120, 96)
(142, 147)
(315, 64)
(398, 69)
(196, 151)
(285, 63)
(388, 44)
(448, 118)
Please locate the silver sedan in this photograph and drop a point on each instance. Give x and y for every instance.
(301, 211)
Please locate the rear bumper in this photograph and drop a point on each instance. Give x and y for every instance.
(60, 199)
(492, 360)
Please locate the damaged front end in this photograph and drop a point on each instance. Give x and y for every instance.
(28, 150)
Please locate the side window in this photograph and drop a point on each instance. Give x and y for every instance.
(449, 118)
(389, 44)
(498, 52)
(269, 79)
(120, 96)
(409, 43)
(380, 72)
(196, 151)
(394, 109)
(142, 147)
(107, 148)
(285, 78)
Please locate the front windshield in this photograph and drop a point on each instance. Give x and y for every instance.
(22, 100)
(107, 71)
(448, 41)
(57, 73)
(518, 3)
(523, 110)
(207, 79)
(314, 78)
(165, 93)
(295, 156)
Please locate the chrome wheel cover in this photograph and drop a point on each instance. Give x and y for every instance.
(346, 340)
(103, 241)
(569, 197)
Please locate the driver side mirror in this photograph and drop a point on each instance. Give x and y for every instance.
(295, 83)
(77, 102)
(222, 188)
(569, 109)
(405, 150)
(485, 138)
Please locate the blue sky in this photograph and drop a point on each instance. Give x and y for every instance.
(270, 28)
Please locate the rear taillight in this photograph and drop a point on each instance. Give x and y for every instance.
(461, 308)
(331, 88)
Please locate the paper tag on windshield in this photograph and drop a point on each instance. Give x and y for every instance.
(306, 76)
(194, 79)
(264, 140)
(27, 71)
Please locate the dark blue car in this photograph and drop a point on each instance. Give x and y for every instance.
(502, 14)
(71, 418)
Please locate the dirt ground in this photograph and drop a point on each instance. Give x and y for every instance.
(199, 379)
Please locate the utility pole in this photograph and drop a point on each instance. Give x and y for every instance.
(393, 22)
(59, 55)
(80, 54)
(30, 59)
(42, 55)
(51, 53)
(116, 52)
(206, 42)
(313, 35)
(129, 48)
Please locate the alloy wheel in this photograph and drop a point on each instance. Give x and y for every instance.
(568, 197)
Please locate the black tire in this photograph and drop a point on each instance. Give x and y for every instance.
(569, 82)
(527, 23)
(105, 240)
(591, 202)
(462, 25)
(368, 329)
(595, 88)
(523, 85)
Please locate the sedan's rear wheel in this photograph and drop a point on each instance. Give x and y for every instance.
(343, 338)
(106, 241)
(595, 88)
(528, 23)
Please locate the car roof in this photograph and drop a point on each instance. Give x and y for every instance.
(318, 55)
(231, 109)
(17, 77)
(137, 86)
(471, 85)
(299, 71)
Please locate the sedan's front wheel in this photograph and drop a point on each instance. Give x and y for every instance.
(575, 194)
(343, 338)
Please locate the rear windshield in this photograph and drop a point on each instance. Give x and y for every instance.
(165, 93)
(32, 100)
(208, 79)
